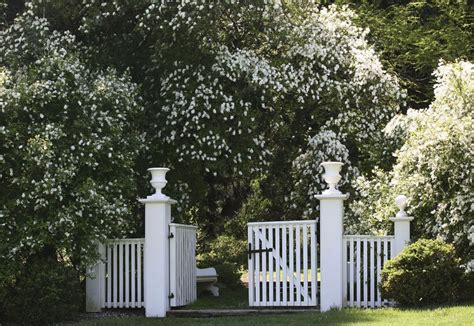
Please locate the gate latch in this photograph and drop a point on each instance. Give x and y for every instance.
(250, 251)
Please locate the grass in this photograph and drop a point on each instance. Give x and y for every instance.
(452, 315)
(227, 299)
(237, 299)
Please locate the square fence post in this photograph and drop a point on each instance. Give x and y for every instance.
(401, 226)
(331, 232)
(156, 251)
(95, 282)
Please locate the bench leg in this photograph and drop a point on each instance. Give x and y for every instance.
(213, 289)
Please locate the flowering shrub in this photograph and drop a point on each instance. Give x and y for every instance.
(68, 145)
(434, 165)
(233, 92)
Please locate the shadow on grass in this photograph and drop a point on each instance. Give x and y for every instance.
(228, 299)
(462, 314)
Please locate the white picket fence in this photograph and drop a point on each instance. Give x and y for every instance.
(182, 264)
(282, 263)
(123, 274)
(364, 256)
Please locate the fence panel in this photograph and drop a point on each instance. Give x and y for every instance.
(182, 264)
(123, 274)
(365, 257)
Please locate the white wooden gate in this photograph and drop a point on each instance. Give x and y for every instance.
(282, 262)
(182, 264)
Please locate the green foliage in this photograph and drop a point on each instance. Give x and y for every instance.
(227, 254)
(412, 36)
(256, 207)
(45, 291)
(69, 146)
(433, 166)
(425, 272)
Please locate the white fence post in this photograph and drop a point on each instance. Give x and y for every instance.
(156, 251)
(95, 282)
(402, 226)
(331, 231)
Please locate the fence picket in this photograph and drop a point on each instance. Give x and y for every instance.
(367, 255)
(305, 265)
(258, 278)
(298, 263)
(314, 265)
(372, 284)
(292, 265)
(251, 272)
(358, 275)
(277, 268)
(264, 266)
(270, 268)
(365, 258)
(285, 263)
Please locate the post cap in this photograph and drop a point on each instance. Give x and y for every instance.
(401, 202)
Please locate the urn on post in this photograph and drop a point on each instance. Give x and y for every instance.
(401, 225)
(331, 231)
(158, 181)
(331, 176)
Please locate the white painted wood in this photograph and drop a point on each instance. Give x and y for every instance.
(133, 275)
(281, 268)
(285, 263)
(365, 283)
(351, 275)
(306, 264)
(277, 265)
(140, 300)
(371, 269)
(401, 226)
(127, 276)
(314, 264)
(95, 282)
(298, 263)
(368, 254)
(120, 272)
(291, 270)
(331, 232)
(379, 269)
(251, 268)
(358, 276)
(264, 299)
(271, 270)
(183, 288)
(345, 273)
(115, 278)
(109, 277)
(258, 279)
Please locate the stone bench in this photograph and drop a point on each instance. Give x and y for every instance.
(208, 277)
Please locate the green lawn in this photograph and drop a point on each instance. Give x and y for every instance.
(453, 316)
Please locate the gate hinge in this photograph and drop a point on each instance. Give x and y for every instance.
(171, 235)
(171, 296)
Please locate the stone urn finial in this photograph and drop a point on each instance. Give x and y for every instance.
(401, 202)
(158, 181)
(331, 176)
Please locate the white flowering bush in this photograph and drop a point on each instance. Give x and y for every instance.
(434, 166)
(233, 92)
(69, 145)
